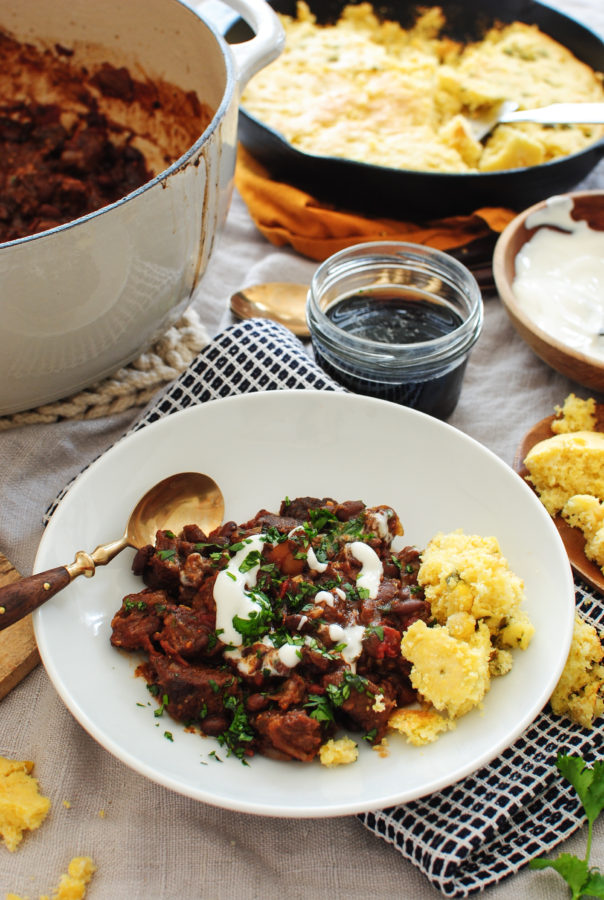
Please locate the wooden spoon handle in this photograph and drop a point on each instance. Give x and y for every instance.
(19, 599)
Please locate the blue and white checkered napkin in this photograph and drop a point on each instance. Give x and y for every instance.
(489, 825)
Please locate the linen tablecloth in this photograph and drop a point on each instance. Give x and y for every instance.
(147, 841)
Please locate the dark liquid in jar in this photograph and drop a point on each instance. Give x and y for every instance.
(392, 318)
(397, 317)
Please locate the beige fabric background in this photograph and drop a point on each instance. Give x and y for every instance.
(149, 843)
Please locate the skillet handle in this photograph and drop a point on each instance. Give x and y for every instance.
(267, 43)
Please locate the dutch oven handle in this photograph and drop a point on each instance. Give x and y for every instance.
(266, 44)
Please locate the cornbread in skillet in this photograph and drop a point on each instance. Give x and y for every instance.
(567, 464)
(22, 807)
(579, 693)
(374, 92)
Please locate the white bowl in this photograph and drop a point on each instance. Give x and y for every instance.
(261, 448)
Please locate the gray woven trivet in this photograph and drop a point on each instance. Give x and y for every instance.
(490, 824)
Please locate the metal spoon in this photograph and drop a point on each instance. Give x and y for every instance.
(277, 300)
(554, 114)
(183, 499)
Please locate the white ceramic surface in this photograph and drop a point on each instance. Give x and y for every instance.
(261, 448)
(81, 300)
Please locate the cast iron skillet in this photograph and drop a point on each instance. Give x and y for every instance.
(402, 192)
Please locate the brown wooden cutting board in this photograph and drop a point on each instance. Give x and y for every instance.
(18, 649)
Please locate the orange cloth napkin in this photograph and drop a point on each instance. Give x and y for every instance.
(287, 215)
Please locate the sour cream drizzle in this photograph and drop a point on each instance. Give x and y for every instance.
(559, 279)
(231, 591)
(313, 562)
(324, 597)
(351, 636)
(371, 571)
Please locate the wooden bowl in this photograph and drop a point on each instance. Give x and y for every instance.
(588, 206)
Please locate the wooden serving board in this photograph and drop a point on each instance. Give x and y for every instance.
(18, 649)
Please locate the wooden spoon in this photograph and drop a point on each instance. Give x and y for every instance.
(572, 538)
(183, 499)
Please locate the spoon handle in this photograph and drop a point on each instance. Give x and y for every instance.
(559, 114)
(17, 600)
(22, 597)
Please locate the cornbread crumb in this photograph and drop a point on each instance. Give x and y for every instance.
(339, 752)
(379, 705)
(586, 512)
(579, 693)
(575, 415)
(22, 807)
(567, 464)
(382, 748)
(467, 574)
(420, 726)
(500, 663)
(72, 886)
(450, 674)
(517, 631)
(66, 804)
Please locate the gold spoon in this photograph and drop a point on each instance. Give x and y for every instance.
(277, 300)
(183, 499)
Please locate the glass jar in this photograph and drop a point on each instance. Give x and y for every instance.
(396, 321)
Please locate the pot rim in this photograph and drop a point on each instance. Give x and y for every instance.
(179, 163)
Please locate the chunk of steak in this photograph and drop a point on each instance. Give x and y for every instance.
(289, 735)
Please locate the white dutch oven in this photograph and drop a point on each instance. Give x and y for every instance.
(80, 300)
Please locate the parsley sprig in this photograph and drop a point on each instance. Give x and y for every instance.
(582, 880)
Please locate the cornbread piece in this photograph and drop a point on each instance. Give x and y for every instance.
(579, 693)
(467, 574)
(587, 513)
(339, 752)
(72, 885)
(575, 415)
(420, 726)
(567, 464)
(451, 674)
(22, 808)
(352, 88)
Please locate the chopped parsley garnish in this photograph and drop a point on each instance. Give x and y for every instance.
(140, 605)
(321, 708)
(252, 560)
(160, 710)
(239, 734)
(167, 555)
(378, 630)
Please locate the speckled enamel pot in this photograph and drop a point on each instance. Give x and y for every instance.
(80, 300)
